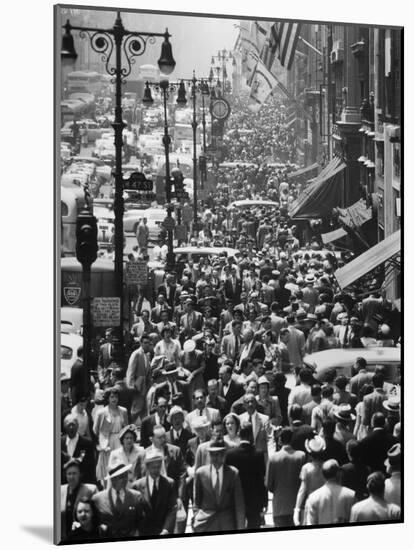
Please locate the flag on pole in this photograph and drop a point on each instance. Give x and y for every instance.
(263, 83)
(283, 39)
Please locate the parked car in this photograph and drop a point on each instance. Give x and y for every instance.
(155, 217)
(71, 320)
(69, 344)
(342, 360)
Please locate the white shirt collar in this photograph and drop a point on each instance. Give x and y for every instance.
(121, 494)
(71, 444)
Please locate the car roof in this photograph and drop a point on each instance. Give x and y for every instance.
(213, 250)
(252, 202)
(336, 358)
(71, 340)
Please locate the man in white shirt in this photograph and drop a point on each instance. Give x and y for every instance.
(199, 398)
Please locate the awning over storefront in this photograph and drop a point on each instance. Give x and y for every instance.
(333, 235)
(369, 260)
(302, 171)
(318, 199)
(356, 214)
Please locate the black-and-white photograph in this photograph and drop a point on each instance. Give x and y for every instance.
(229, 290)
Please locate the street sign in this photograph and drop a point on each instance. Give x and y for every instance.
(168, 223)
(187, 214)
(72, 292)
(106, 312)
(137, 272)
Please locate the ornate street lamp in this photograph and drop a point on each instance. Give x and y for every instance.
(118, 48)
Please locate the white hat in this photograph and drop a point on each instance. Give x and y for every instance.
(118, 470)
(153, 456)
(189, 346)
(200, 422)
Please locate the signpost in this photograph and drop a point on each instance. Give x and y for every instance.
(106, 312)
(137, 272)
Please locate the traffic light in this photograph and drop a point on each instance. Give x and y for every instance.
(86, 238)
(179, 187)
(202, 162)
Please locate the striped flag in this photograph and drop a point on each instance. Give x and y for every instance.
(262, 85)
(284, 38)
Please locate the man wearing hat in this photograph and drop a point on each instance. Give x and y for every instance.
(269, 404)
(200, 427)
(310, 293)
(392, 492)
(159, 496)
(392, 407)
(120, 508)
(344, 422)
(218, 497)
(375, 446)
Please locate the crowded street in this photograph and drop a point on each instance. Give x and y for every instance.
(230, 316)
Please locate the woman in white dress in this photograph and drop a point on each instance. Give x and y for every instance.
(232, 428)
(128, 453)
(107, 427)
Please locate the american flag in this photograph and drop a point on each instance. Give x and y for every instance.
(282, 41)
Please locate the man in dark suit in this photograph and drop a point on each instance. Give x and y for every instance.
(74, 445)
(251, 349)
(169, 289)
(374, 447)
(373, 402)
(233, 287)
(218, 495)
(228, 388)
(177, 434)
(105, 358)
(174, 466)
(159, 496)
(120, 508)
(80, 381)
(251, 466)
(125, 393)
(157, 418)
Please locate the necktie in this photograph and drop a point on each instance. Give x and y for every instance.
(118, 501)
(154, 495)
(345, 341)
(217, 485)
(236, 347)
(200, 412)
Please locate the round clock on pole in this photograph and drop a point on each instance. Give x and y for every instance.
(220, 109)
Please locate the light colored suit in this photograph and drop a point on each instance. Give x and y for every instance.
(283, 479)
(329, 504)
(373, 403)
(85, 490)
(226, 513)
(262, 432)
(296, 346)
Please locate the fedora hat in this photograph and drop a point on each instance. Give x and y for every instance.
(153, 456)
(393, 456)
(200, 422)
(344, 413)
(218, 447)
(263, 380)
(315, 444)
(175, 410)
(310, 278)
(392, 404)
(118, 470)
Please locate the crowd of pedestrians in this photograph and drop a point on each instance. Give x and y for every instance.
(216, 408)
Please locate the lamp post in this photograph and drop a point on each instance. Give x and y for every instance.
(165, 87)
(125, 45)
